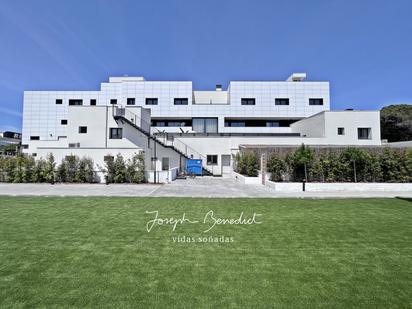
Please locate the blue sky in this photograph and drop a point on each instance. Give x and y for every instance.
(363, 47)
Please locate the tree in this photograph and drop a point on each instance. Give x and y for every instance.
(85, 171)
(303, 156)
(49, 169)
(135, 169)
(119, 167)
(396, 122)
(276, 167)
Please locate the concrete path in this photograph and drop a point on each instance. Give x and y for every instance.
(198, 187)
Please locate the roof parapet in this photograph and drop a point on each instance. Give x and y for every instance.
(296, 77)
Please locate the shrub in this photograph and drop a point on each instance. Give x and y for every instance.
(135, 169)
(276, 166)
(247, 163)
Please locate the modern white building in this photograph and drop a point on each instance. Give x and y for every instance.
(170, 121)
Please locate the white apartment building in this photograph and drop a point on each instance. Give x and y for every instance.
(171, 122)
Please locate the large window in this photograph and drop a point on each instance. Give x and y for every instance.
(204, 125)
(211, 159)
(364, 133)
(131, 101)
(248, 101)
(75, 102)
(315, 101)
(181, 101)
(116, 133)
(281, 101)
(82, 130)
(151, 101)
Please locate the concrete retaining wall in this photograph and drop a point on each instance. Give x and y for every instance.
(347, 186)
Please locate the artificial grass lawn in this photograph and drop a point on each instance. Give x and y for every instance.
(96, 252)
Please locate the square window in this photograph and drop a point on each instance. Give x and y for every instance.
(364, 133)
(59, 101)
(82, 130)
(248, 101)
(108, 158)
(211, 159)
(281, 101)
(151, 101)
(92, 101)
(181, 101)
(113, 101)
(116, 133)
(341, 131)
(316, 101)
(75, 102)
(63, 121)
(131, 101)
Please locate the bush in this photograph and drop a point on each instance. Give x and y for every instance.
(120, 171)
(135, 169)
(276, 166)
(247, 163)
(338, 165)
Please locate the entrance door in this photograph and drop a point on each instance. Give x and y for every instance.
(226, 164)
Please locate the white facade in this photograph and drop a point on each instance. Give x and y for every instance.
(198, 123)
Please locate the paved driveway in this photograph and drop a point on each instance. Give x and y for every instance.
(198, 187)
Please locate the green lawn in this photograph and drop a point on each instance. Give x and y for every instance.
(96, 252)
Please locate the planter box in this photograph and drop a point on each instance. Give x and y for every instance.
(340, 186)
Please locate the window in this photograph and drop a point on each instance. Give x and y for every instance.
(315, 101)
(63, 121)
(59, 101)
(82, 130)
(131, 101)
(364, 133)
(281, 101)
(165, 164)
(113, 101)
(108, 158)
(34, 154)
(92, 101)
(116, 133)
(248, 101)
(75, 102)
(73, 145)
(181, 101)
(34, 138)
(211, 159)
(272, 124)
(25, 146)
(341, 131)
(153, 101)
(204, 125)
(235, 123)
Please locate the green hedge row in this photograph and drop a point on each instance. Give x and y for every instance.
(332, 165)
(72, 169)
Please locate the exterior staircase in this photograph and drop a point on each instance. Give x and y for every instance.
(119, 114)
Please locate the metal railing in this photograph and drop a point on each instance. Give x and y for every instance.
(162, 137)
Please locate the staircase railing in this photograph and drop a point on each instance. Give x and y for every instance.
(188, 151)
